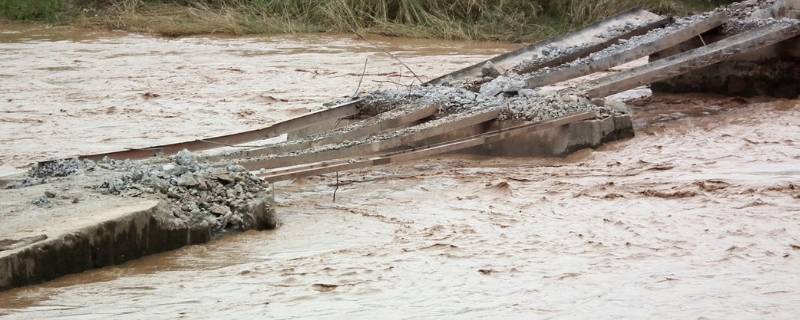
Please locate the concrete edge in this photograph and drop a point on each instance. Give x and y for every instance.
(566, 139)
(139, 231)
(594, 133)
(552, 142)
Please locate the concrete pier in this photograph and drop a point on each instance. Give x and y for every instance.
(42, 243)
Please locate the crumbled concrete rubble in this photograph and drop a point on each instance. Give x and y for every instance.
(546, 55)
(51, 198)
(517, 102)
(751, 14)
(538, 107)
(750, 9)
(771, 71)
(737, 26)
(374, 105)
(449, 99)
(197, 192)
(502, 84)
(744, 15)
(40, 173)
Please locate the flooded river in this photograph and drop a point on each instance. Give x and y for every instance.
(698, 217)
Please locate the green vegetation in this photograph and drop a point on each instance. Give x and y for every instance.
(509, 20)
(47, 10)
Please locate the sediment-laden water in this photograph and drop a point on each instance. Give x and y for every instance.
(696, 217)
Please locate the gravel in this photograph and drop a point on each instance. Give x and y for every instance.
(546, 55)
(748, 15)
(197, 192)
(540, 107)
(739, 26)
(59, 168)
(519, 103)
(748, 9)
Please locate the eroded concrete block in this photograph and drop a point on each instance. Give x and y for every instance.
(558, 141)
(103, 233)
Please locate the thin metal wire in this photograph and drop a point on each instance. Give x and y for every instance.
(360, 80)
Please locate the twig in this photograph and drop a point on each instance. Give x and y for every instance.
(351, 182)
(337, 187)
(702, 40)
(390, 55)
(360, 80)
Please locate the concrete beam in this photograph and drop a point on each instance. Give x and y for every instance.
(370, 127)
(424, 152)
(691, 60)
(275, 130)
(591, 65)
(593, 38)
(364, 149)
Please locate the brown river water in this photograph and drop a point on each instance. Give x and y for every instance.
(698, 217)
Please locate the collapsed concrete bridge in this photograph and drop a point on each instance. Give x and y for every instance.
(401, 129)
(508, 105)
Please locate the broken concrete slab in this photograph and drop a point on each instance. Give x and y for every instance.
(631, 49)
(486, 138)
(565, 48)
(96, 233)
(336, 112)
(550, 142)
(691, 60)
(770, 71)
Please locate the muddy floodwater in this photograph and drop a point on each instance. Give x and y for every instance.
(698, 217)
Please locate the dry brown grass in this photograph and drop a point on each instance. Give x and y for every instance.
(508, 20)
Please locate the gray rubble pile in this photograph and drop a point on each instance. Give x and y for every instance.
(197, 193)
(737, 26)
(59, 168)
(517, 103)
(44, 171)
(752, 14)
(546, 55)
(503, 84)
(449, 99)
(542, 107)
(751, 9)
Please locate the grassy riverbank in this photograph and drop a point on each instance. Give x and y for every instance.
(507, 20)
